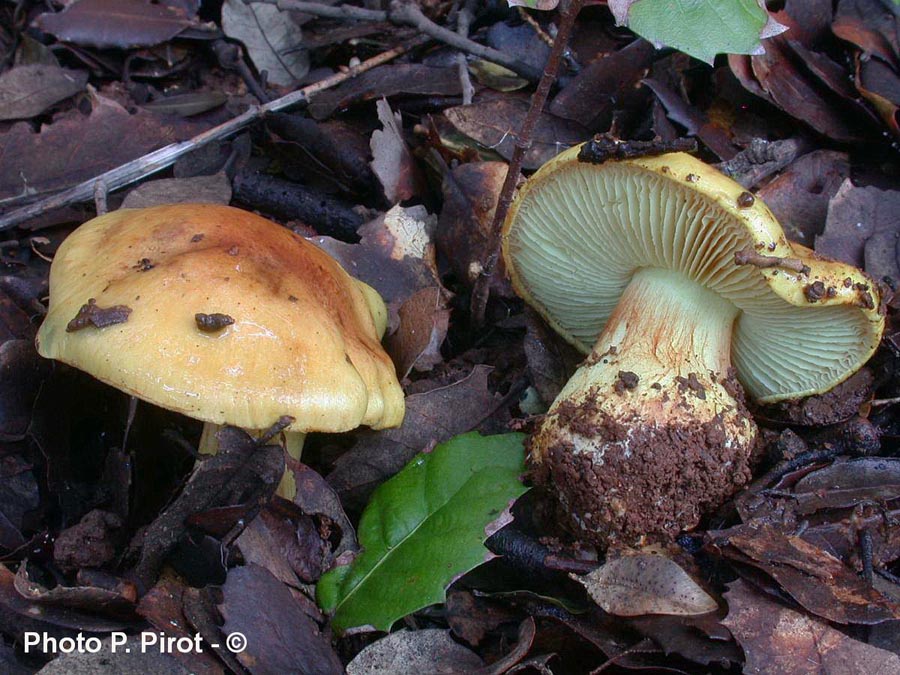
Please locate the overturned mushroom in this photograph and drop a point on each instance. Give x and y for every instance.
(233, 320)
(633, 262)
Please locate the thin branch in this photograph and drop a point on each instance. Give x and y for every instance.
(158, 160)
(463, 22)
(408, 14)
(482, 285)
(749, 256)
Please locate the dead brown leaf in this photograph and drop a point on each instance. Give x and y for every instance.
(605, 85)
(633, 585)
(862, 229)
(162, 607)
(799, 196)
(494, 124)
(463, 235)
(391, 159)
(26, 91)
(429, 650)
(280, 636)
(777, 640)
(431, 417)
(395, 255)
(384, 82)
(75, 147)
(817, 580)
(416, 344)
(215, 189)
(114, 23)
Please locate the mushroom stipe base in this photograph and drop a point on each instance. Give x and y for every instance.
(649, 458)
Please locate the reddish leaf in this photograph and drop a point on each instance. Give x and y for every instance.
(780, 641)
(817, 580)
(424, 319)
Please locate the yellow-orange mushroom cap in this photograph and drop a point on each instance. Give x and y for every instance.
(304, 337)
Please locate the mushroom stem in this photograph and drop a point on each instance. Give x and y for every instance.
(292, 444)
(651, 431)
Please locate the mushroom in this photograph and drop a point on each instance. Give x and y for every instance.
(223, 316)
(651, 266)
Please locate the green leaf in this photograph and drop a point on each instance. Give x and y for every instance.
(701, 28)
(423, 528)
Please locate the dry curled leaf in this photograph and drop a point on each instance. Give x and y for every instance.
(646, 584)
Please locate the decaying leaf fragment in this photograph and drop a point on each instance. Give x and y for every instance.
(26, 91)
(646, 584)
(273, 41)
(777, 640)
(429, 650)
(391, 159)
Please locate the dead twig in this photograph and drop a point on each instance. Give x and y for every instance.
(408, 14)
(163, 158)
(748, 256)
(463, 21)
(523, 142)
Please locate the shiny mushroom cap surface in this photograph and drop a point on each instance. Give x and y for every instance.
(221, 315)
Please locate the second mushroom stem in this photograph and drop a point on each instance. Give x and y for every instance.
(292, 442)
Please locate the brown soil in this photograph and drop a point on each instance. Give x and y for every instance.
(674, 474)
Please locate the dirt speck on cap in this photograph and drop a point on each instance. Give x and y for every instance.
(98, 317)
(625, 381)
(212, 323)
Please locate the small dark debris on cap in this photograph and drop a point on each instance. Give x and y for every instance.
(602, 148)
(626, 380)
(234, 250)
(99, 317)
(211, 323)
(144, 265)
(692, 383)
(814, 291)
(197, 237)
(745, 200)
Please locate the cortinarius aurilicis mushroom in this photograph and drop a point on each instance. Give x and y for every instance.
(684, 293)
(224, 316)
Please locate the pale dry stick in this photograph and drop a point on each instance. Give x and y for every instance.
(163, 158)
(408, 14)
(481, 291)
(101, 191)
(463, 22)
